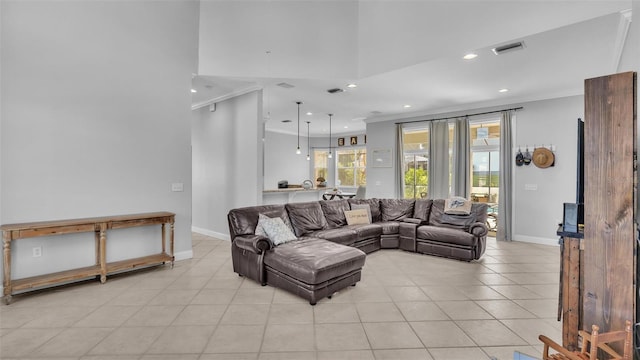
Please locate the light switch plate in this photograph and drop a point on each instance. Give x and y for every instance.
(531, 187)
(177, 187)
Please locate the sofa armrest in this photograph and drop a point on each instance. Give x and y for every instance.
(255, 243)
(478, 229)
(414, 221)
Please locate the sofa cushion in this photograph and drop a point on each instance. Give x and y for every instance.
(366, 231)
(342, 235)
(306, 217)
(334, 212)
(462, 222)
(374, 206)
(314, 261)
(422, 209)
(445, 235)
(389, 227)
(396, 209)
(243, 221)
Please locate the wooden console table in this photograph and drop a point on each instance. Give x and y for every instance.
(99, 226)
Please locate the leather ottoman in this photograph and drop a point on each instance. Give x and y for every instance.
(313, 268)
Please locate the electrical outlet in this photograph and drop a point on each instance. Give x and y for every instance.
(37, 251)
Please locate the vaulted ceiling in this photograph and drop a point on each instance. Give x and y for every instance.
(401, 53)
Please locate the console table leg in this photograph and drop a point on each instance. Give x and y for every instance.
(6, 253)
(103, 255)
(171, 243)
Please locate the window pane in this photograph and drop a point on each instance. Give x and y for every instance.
(345, 176)
(416, 163)
(320, 164)
(351, 167)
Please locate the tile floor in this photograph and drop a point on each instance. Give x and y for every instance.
(407, 306)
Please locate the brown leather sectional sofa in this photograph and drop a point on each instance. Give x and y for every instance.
(329, 254)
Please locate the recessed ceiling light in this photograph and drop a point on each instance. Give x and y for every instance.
(470, 56)
(352, 85)
(309, 113)
(503, 90)
(407, 106)
(346, 127)
(194, 90)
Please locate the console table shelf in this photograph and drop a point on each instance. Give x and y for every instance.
(98, 225)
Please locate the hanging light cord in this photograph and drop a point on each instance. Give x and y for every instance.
(330, 115)
(308, 142)
(298, 149)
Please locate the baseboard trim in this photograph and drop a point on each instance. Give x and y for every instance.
(215, 234)
(536, 240)
(183, 255)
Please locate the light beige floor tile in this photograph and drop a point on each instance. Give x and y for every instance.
(421, 311)
(546, 291)
(135, 297)
(480, 292)
(288, 337)
(60, 316)
(297, 355)
(376, 312)
(504, 309)
(530, 329)
(468, 353)
(258, 295)
(232, 283)
(170, 357)
(285, 297)
(441, 292)
(441, 334)
(291, 314)
(110, 357)
(341, 337)
(335, 313)
(127, 341)
(182, 340)
(391, 280)
(237, 356)
(174, 297)
(516, 292)
(245, 314)
(161, 315)
(360, 294)
(236, 339)
(186, 282)
(543, 308)
(463, 310)
(200, 315)
(391, 335)
(406, 293)
(490, 333)
(18, 316)
(214, 296)
(108, 316)
(21, 342)
(72, 342)
(346, 355)
(402, 354)
(534, 278)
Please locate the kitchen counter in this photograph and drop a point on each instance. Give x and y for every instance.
(289, 195)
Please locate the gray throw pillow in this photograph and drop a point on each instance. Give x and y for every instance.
(277, 231)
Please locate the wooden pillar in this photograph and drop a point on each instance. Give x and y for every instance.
(609, 202)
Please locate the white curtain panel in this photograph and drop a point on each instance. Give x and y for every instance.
(460, 177)
(439, 160)
(505, 191)
(399, 165)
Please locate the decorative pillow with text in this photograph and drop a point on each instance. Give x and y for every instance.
(358, 216)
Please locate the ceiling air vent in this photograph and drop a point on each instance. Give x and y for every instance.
(335, 90)
(285, 85)
(499, 50)
(375, 112)
(286, 121)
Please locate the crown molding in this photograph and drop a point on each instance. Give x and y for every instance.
(228, 96)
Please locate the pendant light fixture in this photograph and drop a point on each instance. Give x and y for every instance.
(298, 149)
(330, 156)
(308, 142)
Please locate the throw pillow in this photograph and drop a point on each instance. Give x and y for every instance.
(277, 231)
(457, 206)
(262, 217)
(363, 206)
(358, 216)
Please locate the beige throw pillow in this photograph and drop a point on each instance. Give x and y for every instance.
(358, 216)
(457, 206)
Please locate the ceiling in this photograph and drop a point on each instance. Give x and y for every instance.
(401, 53)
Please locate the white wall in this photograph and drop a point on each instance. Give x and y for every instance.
(536, 213)
(95, 121)
(227, 161)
